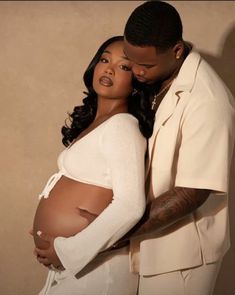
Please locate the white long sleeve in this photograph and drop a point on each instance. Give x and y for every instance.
(123, 148)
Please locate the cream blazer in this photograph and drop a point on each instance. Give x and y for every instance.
(191, 146)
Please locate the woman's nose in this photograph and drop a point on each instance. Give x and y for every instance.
(109, 70)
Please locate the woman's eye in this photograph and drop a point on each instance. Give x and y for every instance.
(103, 60)
(125, 68)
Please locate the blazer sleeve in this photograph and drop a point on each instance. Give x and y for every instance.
(207, 147)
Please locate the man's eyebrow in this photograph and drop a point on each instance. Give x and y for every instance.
(145, 65)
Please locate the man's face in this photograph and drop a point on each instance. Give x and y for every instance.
(150, 66)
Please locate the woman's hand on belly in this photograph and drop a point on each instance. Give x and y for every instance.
(48, 256)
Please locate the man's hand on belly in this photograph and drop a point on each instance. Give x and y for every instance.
(48, 257)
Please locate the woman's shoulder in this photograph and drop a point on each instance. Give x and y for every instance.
(122, 119)
(121, 122)
(123, 126)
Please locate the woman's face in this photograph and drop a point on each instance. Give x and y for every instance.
(112, 75)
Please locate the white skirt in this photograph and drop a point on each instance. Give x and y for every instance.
(108, 274)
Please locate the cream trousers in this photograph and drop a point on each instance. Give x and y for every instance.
(108, 274)
(194, 281)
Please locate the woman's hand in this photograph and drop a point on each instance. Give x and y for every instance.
(48, 256)
(31, 233)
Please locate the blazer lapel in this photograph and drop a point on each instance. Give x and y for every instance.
(183, 82)
(164, 112)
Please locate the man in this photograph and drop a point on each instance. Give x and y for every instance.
(179, 248)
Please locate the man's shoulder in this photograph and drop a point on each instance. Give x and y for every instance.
(206, 84)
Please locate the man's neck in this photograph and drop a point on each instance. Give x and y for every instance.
(158, 86)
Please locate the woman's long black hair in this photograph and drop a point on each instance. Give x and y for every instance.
(82, 116)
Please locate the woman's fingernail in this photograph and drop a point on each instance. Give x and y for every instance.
(39, 233)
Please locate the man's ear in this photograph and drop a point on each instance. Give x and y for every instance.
(178, 49)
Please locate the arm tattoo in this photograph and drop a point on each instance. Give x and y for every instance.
(172, 206)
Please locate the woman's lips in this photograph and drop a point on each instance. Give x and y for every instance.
(105, 81)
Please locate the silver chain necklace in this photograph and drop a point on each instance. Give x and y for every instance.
(154, 102)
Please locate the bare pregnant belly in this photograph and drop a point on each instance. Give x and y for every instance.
(70, 207)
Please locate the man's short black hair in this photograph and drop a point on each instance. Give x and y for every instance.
(154, 23)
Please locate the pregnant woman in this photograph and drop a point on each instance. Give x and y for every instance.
(98, 194)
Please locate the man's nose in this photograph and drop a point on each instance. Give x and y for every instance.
(138, 71)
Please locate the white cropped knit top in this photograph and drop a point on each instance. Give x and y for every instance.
(111, 156)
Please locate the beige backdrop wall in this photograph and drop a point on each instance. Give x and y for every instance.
(45, 48)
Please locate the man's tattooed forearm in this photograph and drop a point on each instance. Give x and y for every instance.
(172, 206)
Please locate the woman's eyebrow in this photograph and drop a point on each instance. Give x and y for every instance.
(106, 51)
(123, 56)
